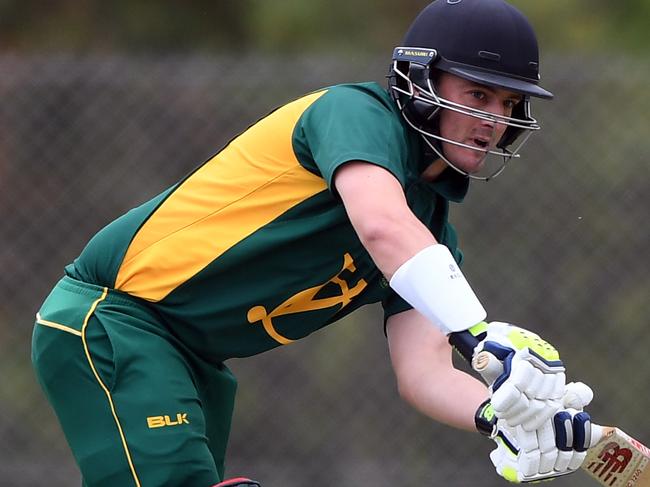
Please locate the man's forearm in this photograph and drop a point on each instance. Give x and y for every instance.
(451, 397)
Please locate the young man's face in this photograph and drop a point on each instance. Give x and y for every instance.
(468, 130)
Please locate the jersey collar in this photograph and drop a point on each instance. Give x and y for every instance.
(451, 185)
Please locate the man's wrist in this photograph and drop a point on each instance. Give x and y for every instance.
(485, 419)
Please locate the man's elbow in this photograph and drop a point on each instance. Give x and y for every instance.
(408, 389)
(379, 232)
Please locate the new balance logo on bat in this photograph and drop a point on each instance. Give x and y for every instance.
(612, 460)
(161, 421)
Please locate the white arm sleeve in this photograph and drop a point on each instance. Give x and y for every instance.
(432, 283)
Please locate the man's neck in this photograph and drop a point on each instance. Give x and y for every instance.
(434, 170)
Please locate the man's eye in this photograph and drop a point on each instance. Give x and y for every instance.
(479, 95)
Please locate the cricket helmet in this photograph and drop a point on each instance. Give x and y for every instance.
(485, 41)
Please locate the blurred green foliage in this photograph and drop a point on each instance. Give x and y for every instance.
(290, 25)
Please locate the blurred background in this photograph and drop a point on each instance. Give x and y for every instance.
(105, 104)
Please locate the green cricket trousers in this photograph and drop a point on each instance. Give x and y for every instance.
(136, 406)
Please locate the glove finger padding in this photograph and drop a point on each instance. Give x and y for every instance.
(548, 452)
(531, 376)
(518, 457)
(577, 460)
(520, 404)
(505, 457)
(535, 421)
(572, 430)
(572, 438)
(577, 395)
(563, 461)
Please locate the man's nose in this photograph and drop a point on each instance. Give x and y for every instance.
(496, 107)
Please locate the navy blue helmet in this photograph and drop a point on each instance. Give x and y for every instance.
(485, 41)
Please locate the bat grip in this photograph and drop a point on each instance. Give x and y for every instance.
(485, 363)
(464, 343)
(488, 366)
(600, 433)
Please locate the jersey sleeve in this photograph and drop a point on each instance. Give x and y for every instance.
(349, 123)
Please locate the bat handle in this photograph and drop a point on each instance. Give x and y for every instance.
(488, 366)
(600, 433)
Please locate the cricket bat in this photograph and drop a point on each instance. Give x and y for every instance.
(618, 460)
(615, 459)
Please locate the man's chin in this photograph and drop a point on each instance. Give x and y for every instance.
(470, 165)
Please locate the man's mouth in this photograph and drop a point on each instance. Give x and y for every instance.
(480, 142)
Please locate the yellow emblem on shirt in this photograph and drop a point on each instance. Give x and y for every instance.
(305, 301)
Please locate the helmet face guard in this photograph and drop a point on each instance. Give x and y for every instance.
(420, 105)
(484, 41)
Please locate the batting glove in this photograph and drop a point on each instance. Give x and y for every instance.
(516, 457)
(572, 427)
(555, 449)
(528, 380)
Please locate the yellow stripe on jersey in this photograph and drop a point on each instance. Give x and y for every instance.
(58, 326)
(251, 182)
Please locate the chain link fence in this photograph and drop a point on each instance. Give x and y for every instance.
(558, 243)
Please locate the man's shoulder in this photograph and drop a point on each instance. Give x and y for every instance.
(370, 88)
(365, 103)
(368, 92)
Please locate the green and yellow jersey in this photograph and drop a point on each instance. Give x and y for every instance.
(254, 248)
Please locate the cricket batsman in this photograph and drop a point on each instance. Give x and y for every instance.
(335, 200)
